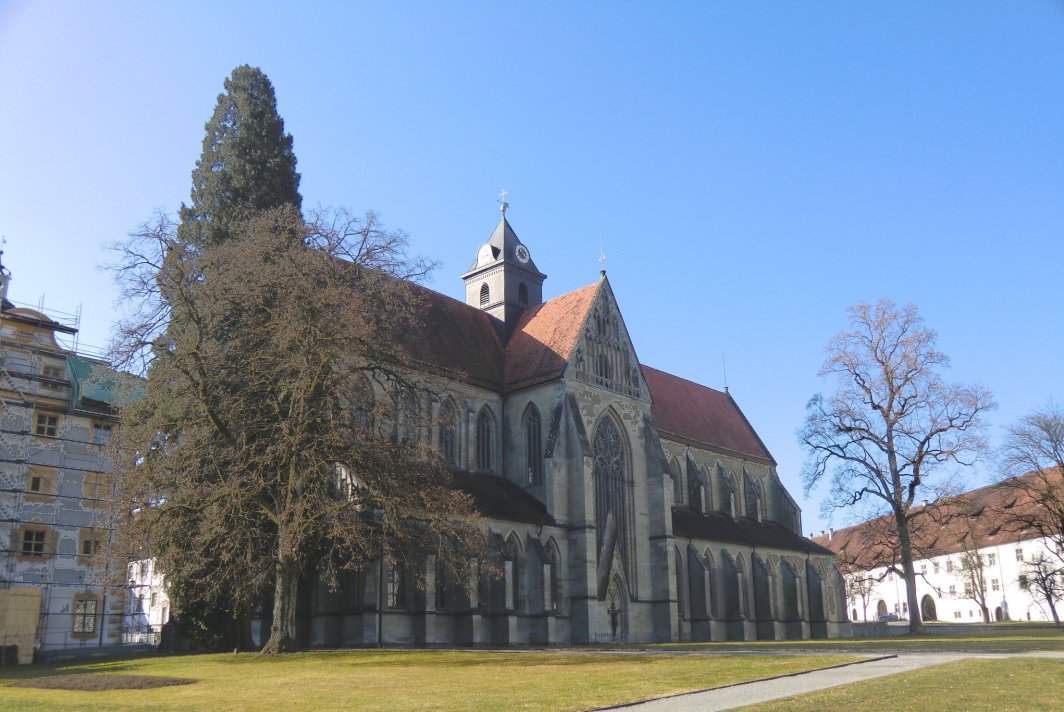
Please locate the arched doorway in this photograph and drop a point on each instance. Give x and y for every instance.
(999, 615)
(853, 614)
(881, 608)
(927, 608)
(615, 610)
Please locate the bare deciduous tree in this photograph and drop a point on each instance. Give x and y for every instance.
(1043, 580)
(892, 422)
(253, 455)
(1033, 457)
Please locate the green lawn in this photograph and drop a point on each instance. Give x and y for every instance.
(403, 680)
(1009, 685)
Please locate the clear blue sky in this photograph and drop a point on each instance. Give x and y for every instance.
(753, 168)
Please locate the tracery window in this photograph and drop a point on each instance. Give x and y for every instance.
(449, 432)
(753, 498)
(533, 446)
(608, 361)
(728, 501)
(485, 439)
(694, 489)
(409, 417)
(612, 513)
(360, 402)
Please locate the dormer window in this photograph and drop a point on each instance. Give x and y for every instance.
(485, 296)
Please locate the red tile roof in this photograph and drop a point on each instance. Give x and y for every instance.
(686, 411)
(457, 341)
(976, 519)
(714, 526)
(539, 347)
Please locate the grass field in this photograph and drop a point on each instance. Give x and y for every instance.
(402, 680)
(1009, 685)
(1006, 639)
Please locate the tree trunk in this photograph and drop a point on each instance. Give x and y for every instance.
(986, 614)
(285, 596)
(915, 623)
(1053, 610)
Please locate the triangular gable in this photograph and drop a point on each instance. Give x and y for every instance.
(603, 355)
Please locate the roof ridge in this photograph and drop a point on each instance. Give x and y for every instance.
(688, 380)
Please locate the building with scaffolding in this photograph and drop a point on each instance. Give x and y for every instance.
(55, 422)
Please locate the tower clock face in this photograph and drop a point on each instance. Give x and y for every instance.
(522, 254)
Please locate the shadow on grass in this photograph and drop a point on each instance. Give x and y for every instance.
(98, 682)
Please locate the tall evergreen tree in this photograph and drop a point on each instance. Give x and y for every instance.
(247, 164)
(252, 456)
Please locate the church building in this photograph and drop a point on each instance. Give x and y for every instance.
(625, 503)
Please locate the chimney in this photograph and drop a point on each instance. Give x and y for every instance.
(831, 533)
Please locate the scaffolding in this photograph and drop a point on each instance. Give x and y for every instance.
(45, 428)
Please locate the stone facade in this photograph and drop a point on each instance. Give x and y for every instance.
(617, 515)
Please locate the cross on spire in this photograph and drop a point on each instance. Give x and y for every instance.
(602, 259)
(503, 205)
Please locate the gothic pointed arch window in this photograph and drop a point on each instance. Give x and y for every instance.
(409, 416)
(551, 579)
(754, 499)
(694, 488)
(360, 403)
(533, 445)
(522, 293)
(485, 439)
(512, 572)
(729, 504)
(677, 486)
(612, 502)
(485, 296)
(449, 432)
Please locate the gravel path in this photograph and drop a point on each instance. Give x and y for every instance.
(750, 693)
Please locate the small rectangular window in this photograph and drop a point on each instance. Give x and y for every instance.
(85, 616)
(995, 585)
(953, 590)
(40, 482)
(1019, 554)
(936, 565)
(33, 542)
(94, 486)
(50, 374)
(154, 599)
(101, 433)
(47, 425)
(991, 559)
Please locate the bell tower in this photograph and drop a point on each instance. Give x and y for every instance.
(503, 280)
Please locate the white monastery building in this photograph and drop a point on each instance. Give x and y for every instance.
(970, 552)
